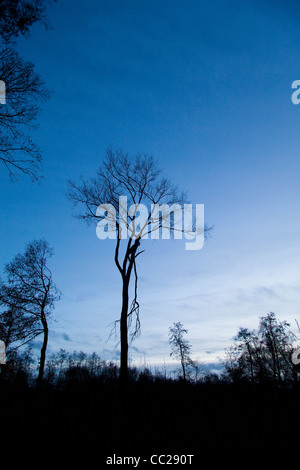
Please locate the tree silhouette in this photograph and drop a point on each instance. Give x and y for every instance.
(181, 347)
(277, 340)
(22, 87)
(139, 180)
(31, 293)
(248, 343)
(264, 355)
(17, 16)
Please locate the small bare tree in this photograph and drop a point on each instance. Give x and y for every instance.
(181, 347)
(30, 294)
(137, 180)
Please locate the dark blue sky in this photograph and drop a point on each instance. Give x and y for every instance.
(205, 87)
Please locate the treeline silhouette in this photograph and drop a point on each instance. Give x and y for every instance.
(261, 356)
(77, 369)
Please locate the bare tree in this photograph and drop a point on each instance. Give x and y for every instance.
(181, 347)
(247, 348)
(31, 293)
(137, 181)
(277, 341)
(22, 89)
(262, 355)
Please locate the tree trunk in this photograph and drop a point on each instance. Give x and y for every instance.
(129, 258)
(43, 351)
(251, 362)
(183, 370)
(124, 333)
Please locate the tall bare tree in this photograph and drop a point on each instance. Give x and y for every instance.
(30, 293)
(137, 181)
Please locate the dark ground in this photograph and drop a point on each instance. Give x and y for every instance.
(210, 421)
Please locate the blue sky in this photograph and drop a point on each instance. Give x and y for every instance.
(205, 87)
